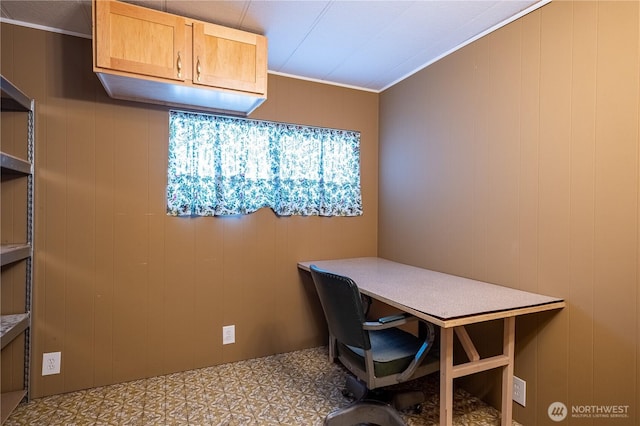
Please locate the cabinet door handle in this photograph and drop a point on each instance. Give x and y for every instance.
(179, 66)
(198, 68)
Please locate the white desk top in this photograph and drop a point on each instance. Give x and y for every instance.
(443, 299)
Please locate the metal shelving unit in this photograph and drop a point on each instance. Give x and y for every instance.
(11, 253)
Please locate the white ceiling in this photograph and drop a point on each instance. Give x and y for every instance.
(364, 44)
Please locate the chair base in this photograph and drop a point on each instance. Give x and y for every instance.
(365, 411)
(376, 407)
(400, 400)
(408, 399)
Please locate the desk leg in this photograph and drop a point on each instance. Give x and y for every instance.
(446, 376)
(508, 349)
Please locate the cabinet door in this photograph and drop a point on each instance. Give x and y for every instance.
(228, 58)
(139, 40)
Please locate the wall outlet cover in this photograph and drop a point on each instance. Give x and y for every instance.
(519, 391)
(51, 363)
(228, 334)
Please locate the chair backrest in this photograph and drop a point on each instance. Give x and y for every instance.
(342, 306)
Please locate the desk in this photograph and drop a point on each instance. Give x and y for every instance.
(450, 302)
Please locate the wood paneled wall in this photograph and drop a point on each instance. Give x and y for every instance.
(515, 160)
(125, 291)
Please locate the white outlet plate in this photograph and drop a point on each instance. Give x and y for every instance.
(51, 363)
(519, 391)
(228, 334)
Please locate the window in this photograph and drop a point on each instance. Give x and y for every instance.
(228, 166)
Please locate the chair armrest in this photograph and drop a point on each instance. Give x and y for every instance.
(397, 317)
(389, 322)
(420, 355)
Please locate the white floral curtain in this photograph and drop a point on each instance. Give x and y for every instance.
(230, 166)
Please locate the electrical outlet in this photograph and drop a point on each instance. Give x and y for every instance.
(51, 363)
(519, 391)
(228, 334)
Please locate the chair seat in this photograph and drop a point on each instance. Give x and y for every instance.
(393, 350)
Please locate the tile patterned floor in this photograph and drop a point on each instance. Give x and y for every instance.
(295, 389)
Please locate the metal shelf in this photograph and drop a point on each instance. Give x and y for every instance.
(10, 253)
(16, 324)
(9, 401)
(11, 326)
(12, 98)
(14, 165)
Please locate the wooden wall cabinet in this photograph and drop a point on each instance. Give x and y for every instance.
(146, 55)
(139, 41)
(228, 58)
(16, 250)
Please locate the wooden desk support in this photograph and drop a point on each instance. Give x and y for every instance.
(450, 302)
(449, 371)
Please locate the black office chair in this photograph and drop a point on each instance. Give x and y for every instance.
(377, 352)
